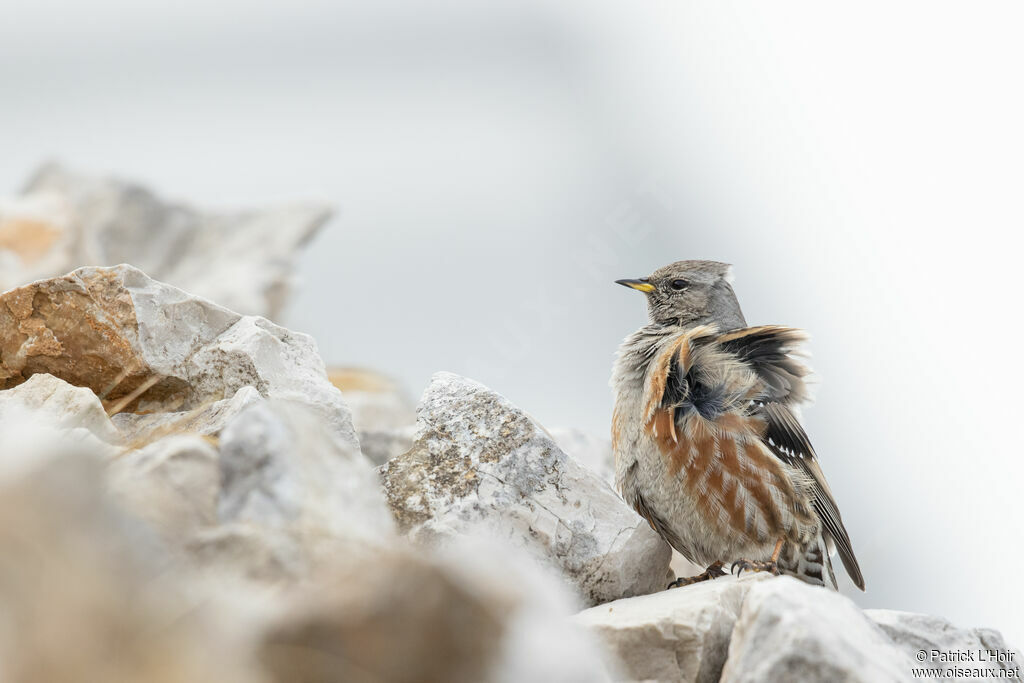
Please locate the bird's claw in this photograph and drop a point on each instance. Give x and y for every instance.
(739, 566)
(712, 572)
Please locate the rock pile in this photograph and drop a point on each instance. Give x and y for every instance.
(183, 485)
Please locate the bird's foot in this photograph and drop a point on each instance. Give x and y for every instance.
(712, 572)
(740, 566)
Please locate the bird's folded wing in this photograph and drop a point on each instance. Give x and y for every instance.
(786, 438)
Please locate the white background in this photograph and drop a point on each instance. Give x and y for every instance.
(496, 165)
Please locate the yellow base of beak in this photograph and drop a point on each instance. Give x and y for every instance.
(639, 285)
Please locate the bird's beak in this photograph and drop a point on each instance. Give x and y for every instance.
(641, 285)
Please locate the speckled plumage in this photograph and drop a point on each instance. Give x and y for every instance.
(707, 445)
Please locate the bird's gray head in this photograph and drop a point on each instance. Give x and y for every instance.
(687, 293)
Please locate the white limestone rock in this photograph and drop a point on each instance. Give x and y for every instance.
(680, 634)
(791, 631)
(73, 414)
(244, 260)
(479, 464)
(948, 647)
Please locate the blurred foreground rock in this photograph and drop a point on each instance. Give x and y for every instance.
(173, 484)
(88, 594)
(475, 612)
(480, 464)
(84, 596)
(243, 260)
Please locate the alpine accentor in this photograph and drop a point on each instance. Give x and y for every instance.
(708, 448)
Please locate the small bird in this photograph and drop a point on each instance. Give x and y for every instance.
(708, 446)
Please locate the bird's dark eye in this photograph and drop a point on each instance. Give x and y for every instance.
(679, 285)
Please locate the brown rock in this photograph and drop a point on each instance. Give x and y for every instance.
(81, 328)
